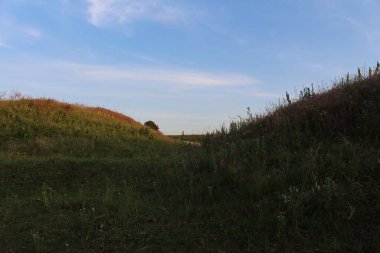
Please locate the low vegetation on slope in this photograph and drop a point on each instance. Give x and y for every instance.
(306, 176)
(303, 178)
(46, 127)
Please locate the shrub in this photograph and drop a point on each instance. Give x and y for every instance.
(151, 125)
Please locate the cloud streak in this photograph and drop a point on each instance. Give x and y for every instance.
(32, 32)
(176, 77)
(12, 31)
(3, 44)
(103, 12)
(131, 75)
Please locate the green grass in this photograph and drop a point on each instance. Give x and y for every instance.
(303, 178)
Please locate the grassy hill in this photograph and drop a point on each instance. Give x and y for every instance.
(303, 178)
(45, 127)
(307, 174)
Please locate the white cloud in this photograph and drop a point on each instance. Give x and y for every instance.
(102, 12)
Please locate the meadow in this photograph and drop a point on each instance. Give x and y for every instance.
(304, 177)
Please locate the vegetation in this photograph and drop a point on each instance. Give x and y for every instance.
(45, 127)
(306, 175)
(302, 178)
(189, 138)
(152, 125)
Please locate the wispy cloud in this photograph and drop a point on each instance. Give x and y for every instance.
(266, 95)
(3, 44)
(368, 30)
(135, 75)
(32, 32)
(12, 30)
(177, 77)
(102, 12)
(360, 16)
(223, 31)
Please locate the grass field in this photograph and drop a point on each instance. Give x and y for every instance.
(303, 178)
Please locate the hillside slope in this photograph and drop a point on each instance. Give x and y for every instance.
(48, 127)
(306, 176)
(349, 109)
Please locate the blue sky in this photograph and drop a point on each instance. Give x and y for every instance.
(188, 65)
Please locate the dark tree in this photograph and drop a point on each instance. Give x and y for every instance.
(152, 125)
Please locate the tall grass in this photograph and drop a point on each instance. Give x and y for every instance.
(307, 172)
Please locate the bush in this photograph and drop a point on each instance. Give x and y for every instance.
(151, 125)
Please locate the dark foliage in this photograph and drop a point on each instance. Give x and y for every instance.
(151, 125)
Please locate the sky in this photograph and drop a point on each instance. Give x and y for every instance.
(189, 65)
